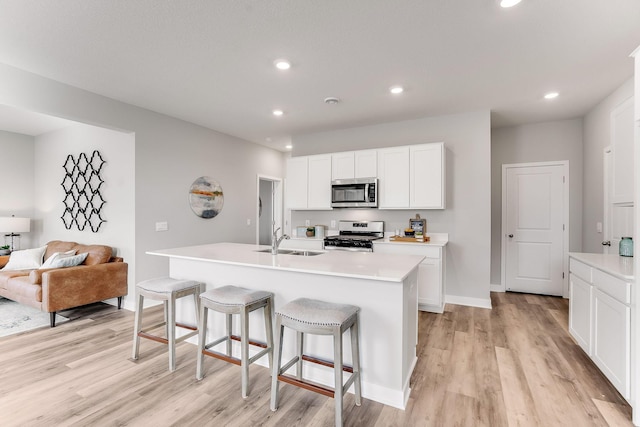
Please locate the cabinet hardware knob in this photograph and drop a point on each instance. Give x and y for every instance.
(606, 243)
(511, 236)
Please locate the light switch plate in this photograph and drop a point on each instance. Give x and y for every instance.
(599, 227)
(333, 224)
(307, 222)
(162, 226)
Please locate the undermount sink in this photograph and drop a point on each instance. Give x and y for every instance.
(293, 252)
(306, 253)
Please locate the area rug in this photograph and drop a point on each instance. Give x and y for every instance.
(16, 318)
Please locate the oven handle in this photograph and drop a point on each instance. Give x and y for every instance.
(342, 248)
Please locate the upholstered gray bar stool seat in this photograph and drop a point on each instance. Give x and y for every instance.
(168, 290)
(231, 300)
(308, 316)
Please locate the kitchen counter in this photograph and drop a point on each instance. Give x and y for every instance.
(362, 265)
(615, 265)
(437, 239)
(383, 286)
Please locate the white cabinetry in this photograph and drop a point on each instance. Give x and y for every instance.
(426, 178)
(393, 178)
(622, 129)
(430, 271)
(354, 164)
(636, 54)
(600, 320)
(411, 177)
(309, 182)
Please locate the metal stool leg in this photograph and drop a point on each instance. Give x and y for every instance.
(171, 332)
(337, 368)
(355, 352)
(244, 346)
(268, 313)
(300, 350)
(202, 340)
(277, 358)
(137, 326)
(229, 332)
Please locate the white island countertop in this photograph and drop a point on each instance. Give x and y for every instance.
(365, 265)
(616, 265)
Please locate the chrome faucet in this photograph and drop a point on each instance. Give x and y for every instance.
(275, 241)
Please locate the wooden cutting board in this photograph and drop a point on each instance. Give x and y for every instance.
(408, 239)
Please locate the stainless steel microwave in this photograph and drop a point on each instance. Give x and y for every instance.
(354, 193)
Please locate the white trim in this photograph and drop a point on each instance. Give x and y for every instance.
(565, 234)
(277, 202)
(468, 301)
(496, 288)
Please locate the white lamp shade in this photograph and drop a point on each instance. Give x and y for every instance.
(11, 224)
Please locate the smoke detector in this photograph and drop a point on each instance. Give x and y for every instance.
(331, 100)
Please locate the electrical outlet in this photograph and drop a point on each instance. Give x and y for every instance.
(333, 224)
(598, 227)
(307, 222)
(248, 222)
(162, 226)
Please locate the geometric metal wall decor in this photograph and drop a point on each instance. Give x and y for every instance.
(83, 201)
(206, 197)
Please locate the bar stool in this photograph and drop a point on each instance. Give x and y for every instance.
(168, 290)
(308, 316)
(235, 300)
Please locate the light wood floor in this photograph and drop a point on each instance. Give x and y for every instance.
(514, 365)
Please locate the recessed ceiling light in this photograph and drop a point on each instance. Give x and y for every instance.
(288, 147)
(282, 64)
(268, 139)
(396, 90)
(551, 95)
(278, 112)
(509, 3)
(332, 100)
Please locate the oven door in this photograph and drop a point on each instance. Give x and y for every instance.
(354, 193)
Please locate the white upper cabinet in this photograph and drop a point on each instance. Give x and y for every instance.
(354, 164)
(309, 182)
(366, 164)
(319, 182)
(426, 178)
(622, 137)
(297, 182)
(343, 165)
(393, 178)
(411, 177)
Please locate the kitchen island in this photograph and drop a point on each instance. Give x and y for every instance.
(383, 286)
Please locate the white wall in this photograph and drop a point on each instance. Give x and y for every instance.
(118, 150)
(16, 197)
(540, 142)
(169, 155)
(467, 219)
(597, 135)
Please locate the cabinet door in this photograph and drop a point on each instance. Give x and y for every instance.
(430, 285)
(637, 83)
(366, 164)
(319, 184)
(297, 181)
(393, 174)
(611, 340)
(622, 134)
(427, 176)
(342, 165)
(580, 312)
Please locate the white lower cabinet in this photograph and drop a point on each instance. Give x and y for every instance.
(430, 272)
(600, 321)
(611, 335)
(580, 309)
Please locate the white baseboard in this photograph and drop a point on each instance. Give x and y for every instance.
(496, 288)
(468, 301)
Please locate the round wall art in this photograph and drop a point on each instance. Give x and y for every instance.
(205, 197)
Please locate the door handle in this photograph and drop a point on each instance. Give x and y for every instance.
(606, 243)
(511, 236)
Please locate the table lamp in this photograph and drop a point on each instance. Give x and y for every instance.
(13, 227)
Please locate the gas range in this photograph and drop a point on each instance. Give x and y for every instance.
(355, 236)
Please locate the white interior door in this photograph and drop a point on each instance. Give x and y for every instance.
(534, 228)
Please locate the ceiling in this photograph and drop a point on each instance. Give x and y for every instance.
(210, 62)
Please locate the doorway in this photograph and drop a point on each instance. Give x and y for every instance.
(269, 208)
(535, 227)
